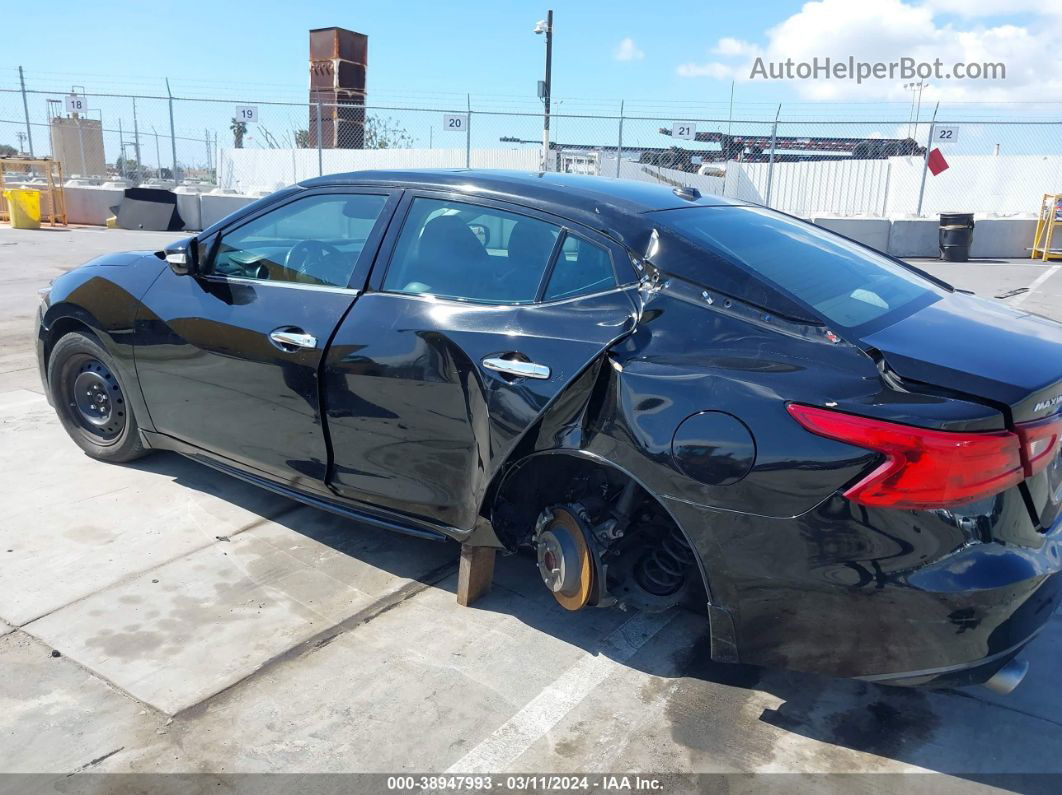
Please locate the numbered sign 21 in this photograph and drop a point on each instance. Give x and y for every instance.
(684, 129)
(455, 122)
(247, 113)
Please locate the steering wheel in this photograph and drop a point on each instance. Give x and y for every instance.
(309, 252)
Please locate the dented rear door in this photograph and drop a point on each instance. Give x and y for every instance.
(425, 395)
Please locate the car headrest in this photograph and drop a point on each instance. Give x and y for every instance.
(530, 243)
(448, 238)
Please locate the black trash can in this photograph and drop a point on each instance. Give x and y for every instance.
(956, 236)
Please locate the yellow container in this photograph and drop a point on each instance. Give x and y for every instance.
(24, 207)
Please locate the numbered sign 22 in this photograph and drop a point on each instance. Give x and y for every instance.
(684, 129)
(945, 134)
(75, 103)
(455, 122)
(247, 113)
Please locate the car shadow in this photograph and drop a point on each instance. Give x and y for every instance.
(970, 733)
(407, 557)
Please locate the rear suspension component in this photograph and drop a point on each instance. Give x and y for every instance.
(664, 569)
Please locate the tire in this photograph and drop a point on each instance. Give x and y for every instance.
(90, 400)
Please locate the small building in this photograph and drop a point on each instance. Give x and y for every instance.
(77, 143)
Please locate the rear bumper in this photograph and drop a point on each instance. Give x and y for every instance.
(874, 597)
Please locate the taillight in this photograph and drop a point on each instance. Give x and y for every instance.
(923, 468)
(1039, 443)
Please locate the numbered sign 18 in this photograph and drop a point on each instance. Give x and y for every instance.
(684, 129)
(455, 122)
(75, 103)
(247, 113)
(945, 134)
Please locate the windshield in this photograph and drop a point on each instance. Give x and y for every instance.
(846, 284)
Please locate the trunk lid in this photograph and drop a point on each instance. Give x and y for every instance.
(991, 352)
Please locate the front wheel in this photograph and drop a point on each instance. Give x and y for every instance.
(90, 400)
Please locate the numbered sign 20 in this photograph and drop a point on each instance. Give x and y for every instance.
(684, 129)
(455, 122)
(945, 134)
(75, 103)
(247, 113)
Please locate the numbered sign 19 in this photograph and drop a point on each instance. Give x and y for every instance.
(75, 103)
(945, 134)
(684, 129)
(247, 113)
(455, 122)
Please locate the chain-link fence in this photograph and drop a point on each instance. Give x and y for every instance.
(808, 168)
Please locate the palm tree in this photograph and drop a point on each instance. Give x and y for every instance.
(239, 128)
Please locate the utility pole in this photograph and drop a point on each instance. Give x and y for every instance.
(915, 114)
(158, 154)
(730, 118)
(25, 110)
(770, 162)
(136, 144)
(121, 150)
(925, 160)
(546, 28)
(173, 133)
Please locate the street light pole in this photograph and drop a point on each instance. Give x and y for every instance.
(547, 28)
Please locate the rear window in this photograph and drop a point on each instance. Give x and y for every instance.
(844, 283)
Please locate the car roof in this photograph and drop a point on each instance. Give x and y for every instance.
(598, 202)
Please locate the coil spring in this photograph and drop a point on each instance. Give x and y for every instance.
(663, 570)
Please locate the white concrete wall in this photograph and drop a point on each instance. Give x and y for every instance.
(215, 206)
(914, 237)
(841, 187)
(268, 169)
(91, 204)
(1006, 185)
(873, 232)
(661, 176)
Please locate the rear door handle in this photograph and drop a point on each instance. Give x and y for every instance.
(516, 367)
(288, 338)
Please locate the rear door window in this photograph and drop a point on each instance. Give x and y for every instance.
(470, 252)
(582, 268)
(845, 284)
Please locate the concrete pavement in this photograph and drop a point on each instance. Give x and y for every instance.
(163, 617)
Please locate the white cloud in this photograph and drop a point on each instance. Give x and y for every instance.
(720, 71)
(627, 50)
(991, 8)
(888, 30)
(731, 46)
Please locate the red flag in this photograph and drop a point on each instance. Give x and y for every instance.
(936, 162)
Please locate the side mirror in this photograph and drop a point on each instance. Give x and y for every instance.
(183, 256)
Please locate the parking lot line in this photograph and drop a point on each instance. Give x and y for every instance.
(548, 708)
(1037, 282)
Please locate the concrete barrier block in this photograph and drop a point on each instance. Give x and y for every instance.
(873, 232)
(214, 207)
(190, 209)
(914, 237)
(1002, 237)
(91, 204)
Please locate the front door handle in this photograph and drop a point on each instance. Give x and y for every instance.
(289, 338)
(516, 367)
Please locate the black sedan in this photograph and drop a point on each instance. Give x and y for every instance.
(848, 465)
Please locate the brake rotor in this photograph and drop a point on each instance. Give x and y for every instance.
(564, 558)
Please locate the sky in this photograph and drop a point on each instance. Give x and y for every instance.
(686, 53)
(664, 64)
